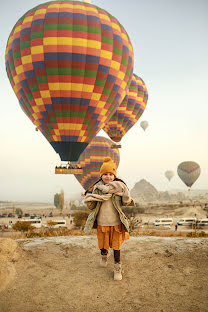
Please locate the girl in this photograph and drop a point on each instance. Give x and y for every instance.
(108, 195)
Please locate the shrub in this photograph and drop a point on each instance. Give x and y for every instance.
(22, 226)
(80, 218)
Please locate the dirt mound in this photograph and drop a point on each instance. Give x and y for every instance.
(61, 274)
(8, 255)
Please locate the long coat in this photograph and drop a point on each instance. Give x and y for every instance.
(95, 207)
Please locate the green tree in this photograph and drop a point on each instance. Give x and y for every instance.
(61, 200)
(19, 211)
(56, 200)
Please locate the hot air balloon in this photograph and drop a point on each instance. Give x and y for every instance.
(169, 174)
(189, 171)
(144, 124)
(129, 111)
(92, 158)
(70, 64)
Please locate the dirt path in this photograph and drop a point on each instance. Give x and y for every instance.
(63, 274)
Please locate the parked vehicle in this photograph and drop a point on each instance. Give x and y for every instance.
(37, 223)
(167, 222)
(10, 215)
(203, 222)
(59, 224)
(187, 221)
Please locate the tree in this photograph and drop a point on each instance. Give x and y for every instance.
(61, 200)
(19, 211)
(56, 200)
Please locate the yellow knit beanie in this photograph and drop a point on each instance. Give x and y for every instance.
(108, 166)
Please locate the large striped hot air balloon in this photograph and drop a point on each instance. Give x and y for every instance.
(129, 111)
(188, 171)
(92, 158)
(70, 64)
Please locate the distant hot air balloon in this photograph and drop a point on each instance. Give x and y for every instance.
(189, 171)
(70, 64)
(92, 158)
(129, 111)
(144, 124)
(169, 174)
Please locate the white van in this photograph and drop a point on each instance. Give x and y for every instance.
(59, 224)
(187, 221)
(37, 223)
(203, 222)
(163, 222)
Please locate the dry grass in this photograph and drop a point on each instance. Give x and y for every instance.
(167, 233)
(79, 232)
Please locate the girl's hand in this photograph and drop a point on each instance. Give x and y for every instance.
(103, 188)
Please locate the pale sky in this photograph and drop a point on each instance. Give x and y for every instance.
(170, 44)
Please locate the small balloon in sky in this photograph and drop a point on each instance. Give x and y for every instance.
(144, 124)
(169, 174)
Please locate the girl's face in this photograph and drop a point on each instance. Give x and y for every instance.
(108, 177)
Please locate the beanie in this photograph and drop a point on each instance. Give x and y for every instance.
(108, 166)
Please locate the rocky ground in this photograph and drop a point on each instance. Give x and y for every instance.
(63, 274)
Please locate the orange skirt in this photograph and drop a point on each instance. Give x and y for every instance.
(111, 236)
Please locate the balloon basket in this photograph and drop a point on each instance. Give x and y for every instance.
(68, 171)
(116, 146)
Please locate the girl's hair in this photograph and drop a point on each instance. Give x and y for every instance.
(89, 190)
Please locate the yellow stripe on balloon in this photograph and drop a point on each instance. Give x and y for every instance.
(19, 69)
(103, 111)
(28, 19)
(83, 139)
(106, 54)
(39, 102)
(96, 96)
(54, 137)
(70, 86)
(104, 17)
(17, 29)
(67, 41)
(123, 85)
(35, 109)
(45, 94)
(101, 104)
(116, 26)
(41, 11)
(121, 75)
(57, 132)
(16, 79)
(115, 64)
(37, 50)
(26, 59)
(72, 126)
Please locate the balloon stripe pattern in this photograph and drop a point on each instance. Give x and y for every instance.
(92, 158)
(129, 111)
(70, 64)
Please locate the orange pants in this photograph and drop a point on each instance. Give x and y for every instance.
(111, 236)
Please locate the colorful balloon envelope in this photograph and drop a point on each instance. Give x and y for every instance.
(70, 64)
(92, 158)
(188, 171)
(129, 111)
